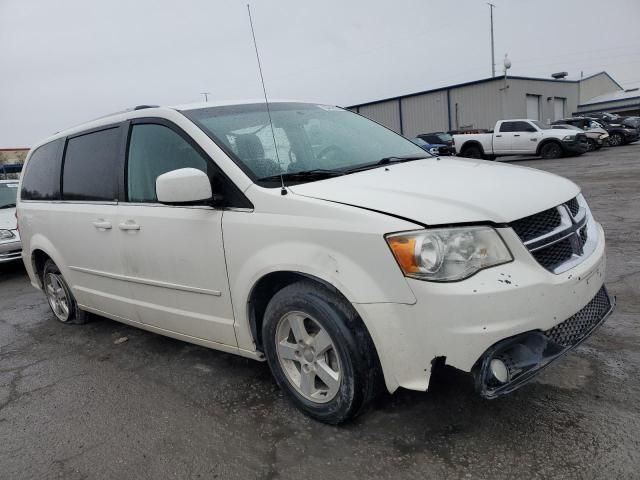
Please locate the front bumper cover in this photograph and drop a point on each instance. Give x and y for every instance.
(527, 354)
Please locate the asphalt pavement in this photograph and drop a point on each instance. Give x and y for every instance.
(77, 402)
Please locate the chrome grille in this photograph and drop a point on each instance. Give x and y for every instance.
(558, 238)
(575, 328)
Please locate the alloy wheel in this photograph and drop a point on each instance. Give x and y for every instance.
(308, 357)
(57, 296)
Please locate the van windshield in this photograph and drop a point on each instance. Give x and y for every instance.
(309, 138)
(8, 194)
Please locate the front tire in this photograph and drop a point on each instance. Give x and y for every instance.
(320, 353)
(551, 150)
(61, 301)
(616, 139)
(591, 145)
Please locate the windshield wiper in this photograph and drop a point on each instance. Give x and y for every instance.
(304, 175)
(8, 205)
(387, 161)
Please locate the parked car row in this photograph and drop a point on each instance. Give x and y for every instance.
(568, 136)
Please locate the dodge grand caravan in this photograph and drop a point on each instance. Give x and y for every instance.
(336, 250)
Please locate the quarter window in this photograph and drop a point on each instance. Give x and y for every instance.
(41, 179)
(90, 170)
(154, 150)
(507, 127)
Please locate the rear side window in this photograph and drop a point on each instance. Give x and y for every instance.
(90, 171)
(154, 150)
(507, 126)
(41, 179)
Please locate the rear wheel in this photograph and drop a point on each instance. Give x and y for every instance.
(472, 151)
(615, 139)
(551, 150)
(61, 300)
(320, 353)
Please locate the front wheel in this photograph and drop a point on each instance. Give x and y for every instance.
(615, 140)
(591, 145)
(319, 352)
(551, 150)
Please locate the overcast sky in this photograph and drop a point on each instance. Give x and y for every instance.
(64, 62)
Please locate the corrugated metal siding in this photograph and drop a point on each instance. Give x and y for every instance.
(386, 113)
(597, 85)
(476, 106)
(515, 103)
(425, 113)
(613, 107)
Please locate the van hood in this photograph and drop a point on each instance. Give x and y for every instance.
(437, 191)
(8, 219)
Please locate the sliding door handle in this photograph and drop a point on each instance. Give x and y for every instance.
(129, 225)
(102, 224)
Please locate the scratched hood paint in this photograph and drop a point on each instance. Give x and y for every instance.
(441, 191)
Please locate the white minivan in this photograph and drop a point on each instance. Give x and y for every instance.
(333, 248)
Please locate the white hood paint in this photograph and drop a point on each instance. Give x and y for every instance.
(443, 191)
(8, 219)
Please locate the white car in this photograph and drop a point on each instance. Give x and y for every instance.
(521, 137)
(340, 254)
(10, 248)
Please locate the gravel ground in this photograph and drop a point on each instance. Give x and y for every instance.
(75, 405)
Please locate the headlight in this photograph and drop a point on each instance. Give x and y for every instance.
(448, 254)
(6, 234)
(568, 138)
(434, 151)
(604, 135)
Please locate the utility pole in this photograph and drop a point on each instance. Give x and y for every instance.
(493, 57)
(206, 95)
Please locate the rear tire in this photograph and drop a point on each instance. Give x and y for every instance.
(551, 150)
(472, 151)
(320, 353)
(61, 301)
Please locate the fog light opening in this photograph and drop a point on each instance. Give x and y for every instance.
(499, 370)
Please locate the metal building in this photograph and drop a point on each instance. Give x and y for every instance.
(481, 103)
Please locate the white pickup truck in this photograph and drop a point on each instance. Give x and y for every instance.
(521, 137)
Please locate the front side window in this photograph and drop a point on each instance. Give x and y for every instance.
(307, 137)
(8, 194)
(41, 178)
(154, 150)
(90, 169)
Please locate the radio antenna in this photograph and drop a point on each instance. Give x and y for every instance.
(283, 190)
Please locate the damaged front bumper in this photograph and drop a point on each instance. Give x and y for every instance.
(512, 362)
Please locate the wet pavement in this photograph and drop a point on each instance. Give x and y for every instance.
(75, 405)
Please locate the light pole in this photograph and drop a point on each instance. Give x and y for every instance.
(206, 95)
(493, 58)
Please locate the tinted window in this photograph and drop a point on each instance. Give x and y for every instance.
(41, 180)
(154, 150)
(507, 126)
(523, 127)
(90, 169)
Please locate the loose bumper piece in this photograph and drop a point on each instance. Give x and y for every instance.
(512, 362)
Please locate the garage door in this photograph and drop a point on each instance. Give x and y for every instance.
(533, 107)
(558, 108)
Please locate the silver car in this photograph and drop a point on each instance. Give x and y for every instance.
(10, 246)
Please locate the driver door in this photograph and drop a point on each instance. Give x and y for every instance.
(173, 255)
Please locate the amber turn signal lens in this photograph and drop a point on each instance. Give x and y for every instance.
(404, 249)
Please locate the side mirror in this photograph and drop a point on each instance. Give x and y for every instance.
(183, 186)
